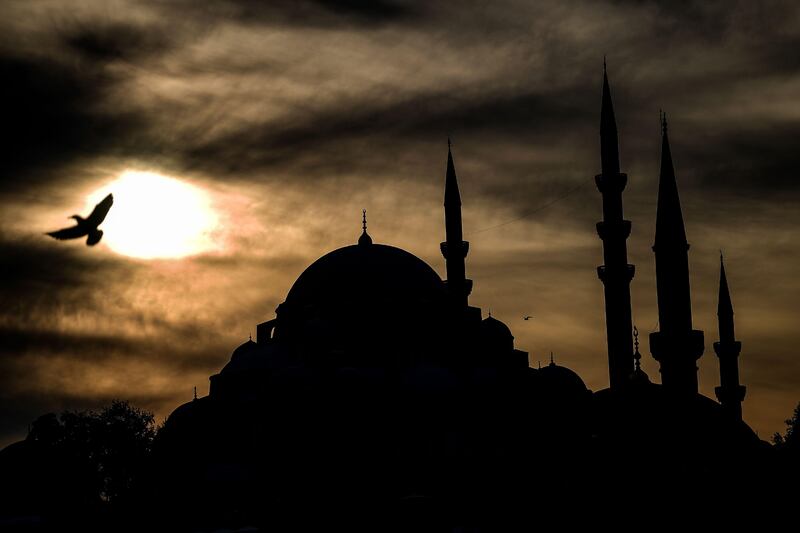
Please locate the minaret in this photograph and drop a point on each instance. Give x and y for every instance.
(730, 393)
(616, 273)
(676, 346)
(454, 249)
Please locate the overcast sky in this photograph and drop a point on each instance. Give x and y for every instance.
(294, 115)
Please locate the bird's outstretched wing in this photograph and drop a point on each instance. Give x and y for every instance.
(74, 232)
(100, 211)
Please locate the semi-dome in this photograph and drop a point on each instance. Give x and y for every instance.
(366, 273)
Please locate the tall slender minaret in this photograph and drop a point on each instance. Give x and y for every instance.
(455, 248)
(616, 273)
(676, 346)
(730, 393)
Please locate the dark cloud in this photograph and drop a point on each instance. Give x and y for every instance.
(308, 13)
(761, 161)
(53, 117)
(113, 41)
(37, 272)
(361, 136)
(98, 348)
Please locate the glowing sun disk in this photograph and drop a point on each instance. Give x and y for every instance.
(157, 216)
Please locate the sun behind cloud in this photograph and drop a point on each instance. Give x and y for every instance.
(157, 217)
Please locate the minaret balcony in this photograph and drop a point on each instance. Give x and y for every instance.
(666, 345)
(727, 349)
(730, 394)
(619, 229)
(605, 273)
(460, 251)
(466, 286)
(611, 182)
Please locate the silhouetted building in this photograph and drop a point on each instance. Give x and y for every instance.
(376, 382)
(378, 390)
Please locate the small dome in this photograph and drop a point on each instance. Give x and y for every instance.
(492, 327)
(247, 356)
(495, 335)
(561, 378)
(365, 239)
(245, 348)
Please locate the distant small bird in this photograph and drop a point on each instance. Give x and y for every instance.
(86, 226)
(528, 317)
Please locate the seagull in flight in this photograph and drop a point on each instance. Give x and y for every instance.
(86, 227)
(527, 317)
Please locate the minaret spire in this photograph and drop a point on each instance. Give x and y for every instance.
(724, 304)
(609, 143)
(669, 218)
(730, 393)
(452, 196)
(616, 273)
(677, 346)
(455, 248)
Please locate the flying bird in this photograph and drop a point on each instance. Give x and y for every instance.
(86, 227)
(527, 317)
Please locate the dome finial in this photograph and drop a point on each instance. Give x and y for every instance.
(365, 238)
(638, 376)
(552, 361)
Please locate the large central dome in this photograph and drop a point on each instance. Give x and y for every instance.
(364, 274)
(364, 299)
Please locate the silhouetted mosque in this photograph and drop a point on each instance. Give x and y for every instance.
(377, 386)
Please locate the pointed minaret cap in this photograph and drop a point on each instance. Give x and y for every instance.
(609, 142)
(669, 218)
(724, 305)
(451, 194)
(365, 239)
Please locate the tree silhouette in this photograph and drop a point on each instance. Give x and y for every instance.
(791, 439)
(103, 451)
